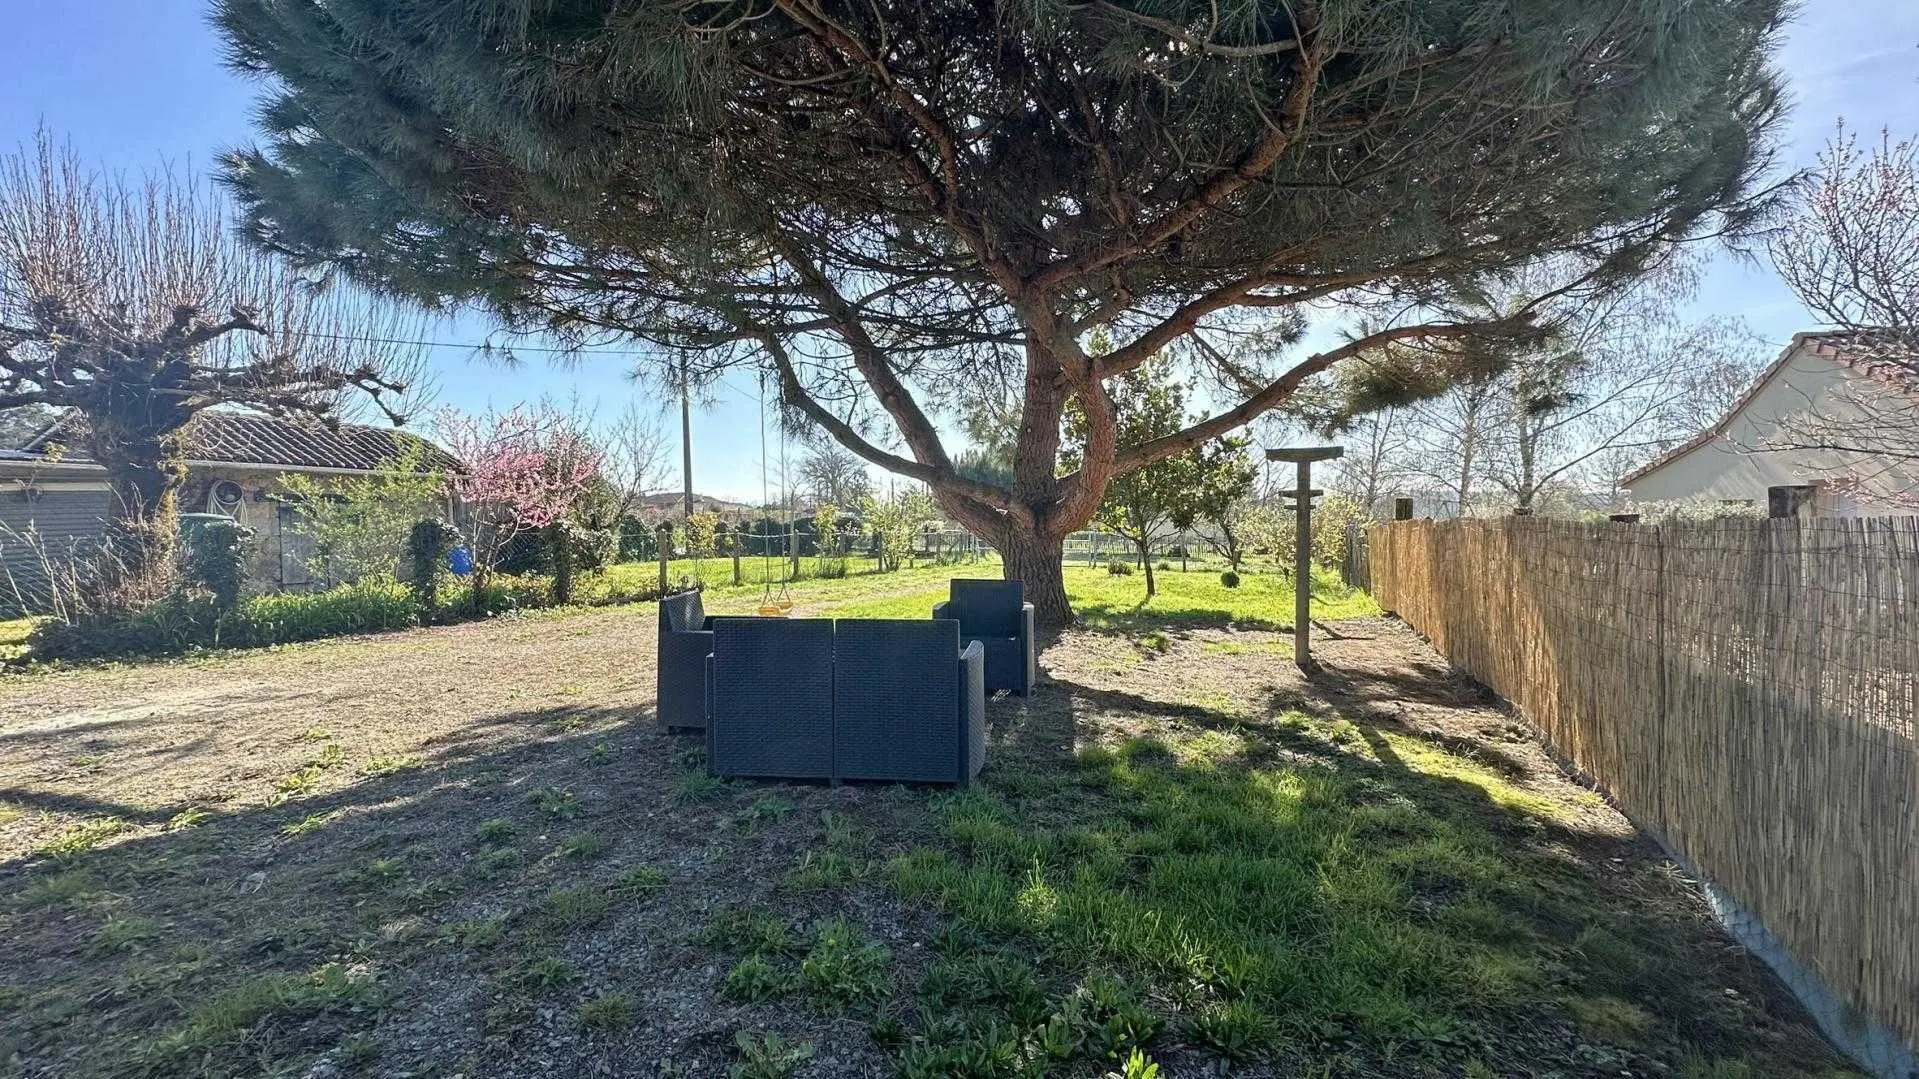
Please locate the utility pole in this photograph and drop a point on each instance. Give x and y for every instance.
(1302, 496)
(686, 442)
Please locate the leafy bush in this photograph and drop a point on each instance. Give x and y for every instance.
(182, 622)
(360, 525)
(701, 533)
(278, 618)
(185, 620)
(428, 543)
(1330, 519)
(1229, 579)
(1698, 509)
(594, 549)
(511, 592)
(171, 624)
(216, 560)
(1119, 567)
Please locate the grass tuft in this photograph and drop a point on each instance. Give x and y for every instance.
(639, 882)
(80, 838)
(608, 1011)
(557, 802)
(379, 767)
(573, 908)
(765, 1055)
(582, 845)
(757, 978)
(752, 930)
(496, 830)
(845, 967)
(226, 1016)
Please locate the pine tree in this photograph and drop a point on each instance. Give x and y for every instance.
(882, 203)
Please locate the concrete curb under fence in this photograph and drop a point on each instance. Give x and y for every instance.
(1745, 691)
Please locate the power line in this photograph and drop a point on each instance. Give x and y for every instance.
(455, 344)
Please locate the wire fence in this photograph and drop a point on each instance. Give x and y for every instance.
(1744, 688)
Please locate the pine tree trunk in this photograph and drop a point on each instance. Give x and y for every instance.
(1036, 560)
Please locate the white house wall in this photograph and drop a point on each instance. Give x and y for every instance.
(1734, 464)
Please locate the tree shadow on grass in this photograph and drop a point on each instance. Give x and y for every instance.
(403, 906)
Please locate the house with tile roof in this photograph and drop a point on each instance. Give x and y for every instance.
(1830, 429)
(53, 499)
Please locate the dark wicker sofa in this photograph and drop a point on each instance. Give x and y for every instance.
(995, 613)
(857, 699)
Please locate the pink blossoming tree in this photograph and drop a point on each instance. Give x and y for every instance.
(525, 470)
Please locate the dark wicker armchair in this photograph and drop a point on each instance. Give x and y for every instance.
(908, 702)
(995, 613)
(771, 698)
(686, 639)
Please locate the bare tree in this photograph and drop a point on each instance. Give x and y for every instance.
(1378, 456)
(833, 476)
(636, 457)
(136, 305)
(1621, 384)
(1851, 254)
(1851, 250)
(1450, 436)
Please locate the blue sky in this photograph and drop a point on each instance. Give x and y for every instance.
(133, 82)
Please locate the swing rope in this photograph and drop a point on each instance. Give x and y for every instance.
(768, 605)
(785, 599)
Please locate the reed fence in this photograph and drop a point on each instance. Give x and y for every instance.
(1744, 688)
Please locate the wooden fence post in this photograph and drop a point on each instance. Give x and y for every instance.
(665, 549)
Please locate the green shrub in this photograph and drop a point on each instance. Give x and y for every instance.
(365, 607)
(184, 621)
(558, 541)
(594, 549)
(216, 560)
(428, 544)
(283, 617)
(167, 626)
(512, 592)
(1230, 579)
(1330, 519)
(1119, 567)
(179, 623)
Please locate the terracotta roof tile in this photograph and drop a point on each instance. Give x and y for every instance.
(241, 438)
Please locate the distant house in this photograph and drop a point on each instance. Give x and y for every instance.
(236, 463)
(1822, 433)
(671, 505)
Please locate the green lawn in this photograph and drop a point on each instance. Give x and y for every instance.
(1102, 600)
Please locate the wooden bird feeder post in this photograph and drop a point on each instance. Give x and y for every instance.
(1302, 495)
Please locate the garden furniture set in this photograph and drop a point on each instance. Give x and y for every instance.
(850, 698)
